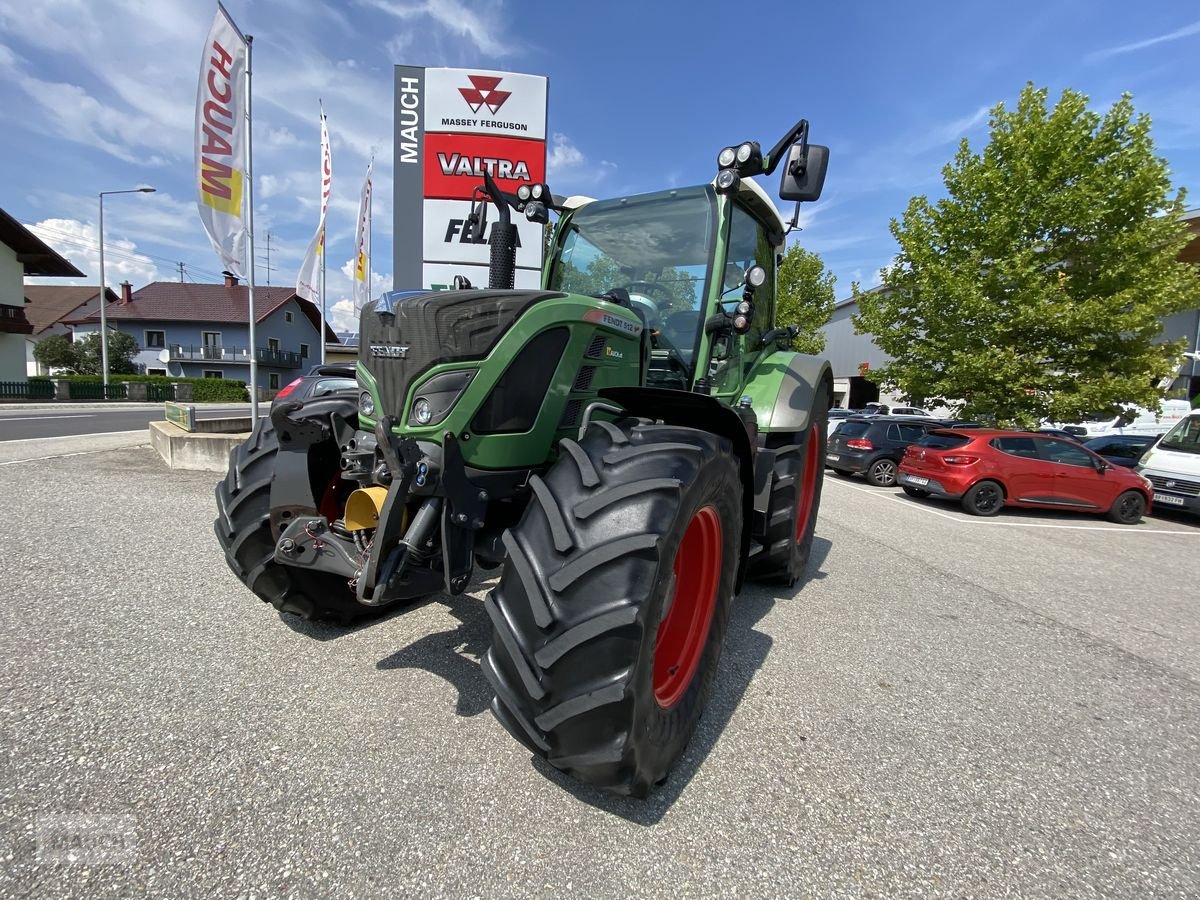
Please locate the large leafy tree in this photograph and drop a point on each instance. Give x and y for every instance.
(121, 348)
(56, 353)
(804, 297)
(1034, 289)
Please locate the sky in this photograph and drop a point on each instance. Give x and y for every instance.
(99, 95)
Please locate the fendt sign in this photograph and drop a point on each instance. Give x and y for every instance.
(452, 125)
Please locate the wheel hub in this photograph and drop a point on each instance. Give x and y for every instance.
(683, 632)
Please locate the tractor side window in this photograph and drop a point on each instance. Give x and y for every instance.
(748, 246)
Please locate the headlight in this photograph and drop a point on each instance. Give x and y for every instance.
(725, 160)
(744, 151)
(536, 191)
(366, 404)
(422, 411)
(523, 192)
(756, 276)
(727, 180)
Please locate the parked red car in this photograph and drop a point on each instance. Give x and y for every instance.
(986, 470)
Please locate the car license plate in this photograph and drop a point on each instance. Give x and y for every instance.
(1168, 499)
(916, 479)
(832, 456)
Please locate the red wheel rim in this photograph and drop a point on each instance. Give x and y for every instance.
(808, 485)
(683, 633)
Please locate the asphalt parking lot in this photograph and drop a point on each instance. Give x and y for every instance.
(948, 707)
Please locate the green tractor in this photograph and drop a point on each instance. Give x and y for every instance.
(628, 443)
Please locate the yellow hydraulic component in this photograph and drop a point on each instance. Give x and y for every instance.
(363, 507)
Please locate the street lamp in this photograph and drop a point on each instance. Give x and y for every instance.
(103, 300)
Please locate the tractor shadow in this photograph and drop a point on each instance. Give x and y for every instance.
(745, 651)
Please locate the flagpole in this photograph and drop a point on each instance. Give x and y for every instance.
(322, 295)
(250, 228)
(370, 214)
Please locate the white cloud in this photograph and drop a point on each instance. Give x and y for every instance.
(563, 154)
(341, 315)
(78, 242)
(1185, 31)
(477, 22)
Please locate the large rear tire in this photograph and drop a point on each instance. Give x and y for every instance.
(243, 528)
(609, 618)
(795, 499)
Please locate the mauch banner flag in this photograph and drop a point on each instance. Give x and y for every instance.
(362, 244)
(306, 281)
(221, 141)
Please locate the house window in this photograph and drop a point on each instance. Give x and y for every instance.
(287, 317)
(213, 373)
(162, 372)
(304, 351)
(155, 339)
(273, 381)
(273, 344)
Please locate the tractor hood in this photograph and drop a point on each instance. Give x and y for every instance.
(403, 334)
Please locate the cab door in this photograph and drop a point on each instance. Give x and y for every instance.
(748, 244)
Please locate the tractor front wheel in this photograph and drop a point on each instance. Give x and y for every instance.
(796, 482)
(243, 528)
(609, 618)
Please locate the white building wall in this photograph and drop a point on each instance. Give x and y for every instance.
(12, 293)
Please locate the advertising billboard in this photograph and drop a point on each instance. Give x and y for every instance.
(452, 125)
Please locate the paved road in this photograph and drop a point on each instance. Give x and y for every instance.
(949, 707)
(18, 424)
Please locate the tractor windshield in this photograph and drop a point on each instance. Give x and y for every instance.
(655, 246)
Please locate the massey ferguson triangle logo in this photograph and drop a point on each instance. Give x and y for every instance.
(484, 93)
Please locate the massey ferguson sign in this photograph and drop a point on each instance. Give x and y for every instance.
(452, 125)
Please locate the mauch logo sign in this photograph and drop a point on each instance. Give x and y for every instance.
(483, 92)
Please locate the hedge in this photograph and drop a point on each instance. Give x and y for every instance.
(204, 390)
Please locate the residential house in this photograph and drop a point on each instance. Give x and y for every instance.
(203, 330)
(22, 253)
(49, 306)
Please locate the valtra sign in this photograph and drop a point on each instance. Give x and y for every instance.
(452, 125)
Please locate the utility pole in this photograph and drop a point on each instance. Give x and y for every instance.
(268, 267)
(179, 265)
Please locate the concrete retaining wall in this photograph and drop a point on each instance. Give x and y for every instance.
(181, 450)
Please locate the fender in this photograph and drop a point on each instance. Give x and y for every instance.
(782, 388)
(703, 413)
(322, 425)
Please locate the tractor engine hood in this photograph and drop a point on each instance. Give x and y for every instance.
(403, 334)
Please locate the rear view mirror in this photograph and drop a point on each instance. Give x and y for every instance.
(804, 172)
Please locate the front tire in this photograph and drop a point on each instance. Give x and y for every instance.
(983, 499)
(610, 616)
(796, 485)
(243, 528)
(1128, 508)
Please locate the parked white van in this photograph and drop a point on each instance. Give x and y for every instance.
(1173, 466)
(1136, 420)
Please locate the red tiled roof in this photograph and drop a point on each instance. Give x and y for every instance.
(46, 304)
(173, 301)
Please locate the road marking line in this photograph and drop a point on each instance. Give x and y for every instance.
(981, 521)
(46, 418)
(63, 437)
(14, 462)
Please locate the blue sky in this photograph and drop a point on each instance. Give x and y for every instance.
(99, 95)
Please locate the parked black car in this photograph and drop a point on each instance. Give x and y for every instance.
(1060, 433)
(319, 381)
(873, 445)
(1122, 449)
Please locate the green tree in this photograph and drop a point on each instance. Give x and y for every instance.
(56, 353)
(1034, 289)
(804, 297)
(121, 348)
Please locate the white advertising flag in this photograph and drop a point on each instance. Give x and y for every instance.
(362, 245)
(306, 281)
(221, 145)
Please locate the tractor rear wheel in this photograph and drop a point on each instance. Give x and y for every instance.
(243, 528)
(610, 616)
(795, 498)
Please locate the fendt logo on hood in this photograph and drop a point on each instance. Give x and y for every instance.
(484, 93)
